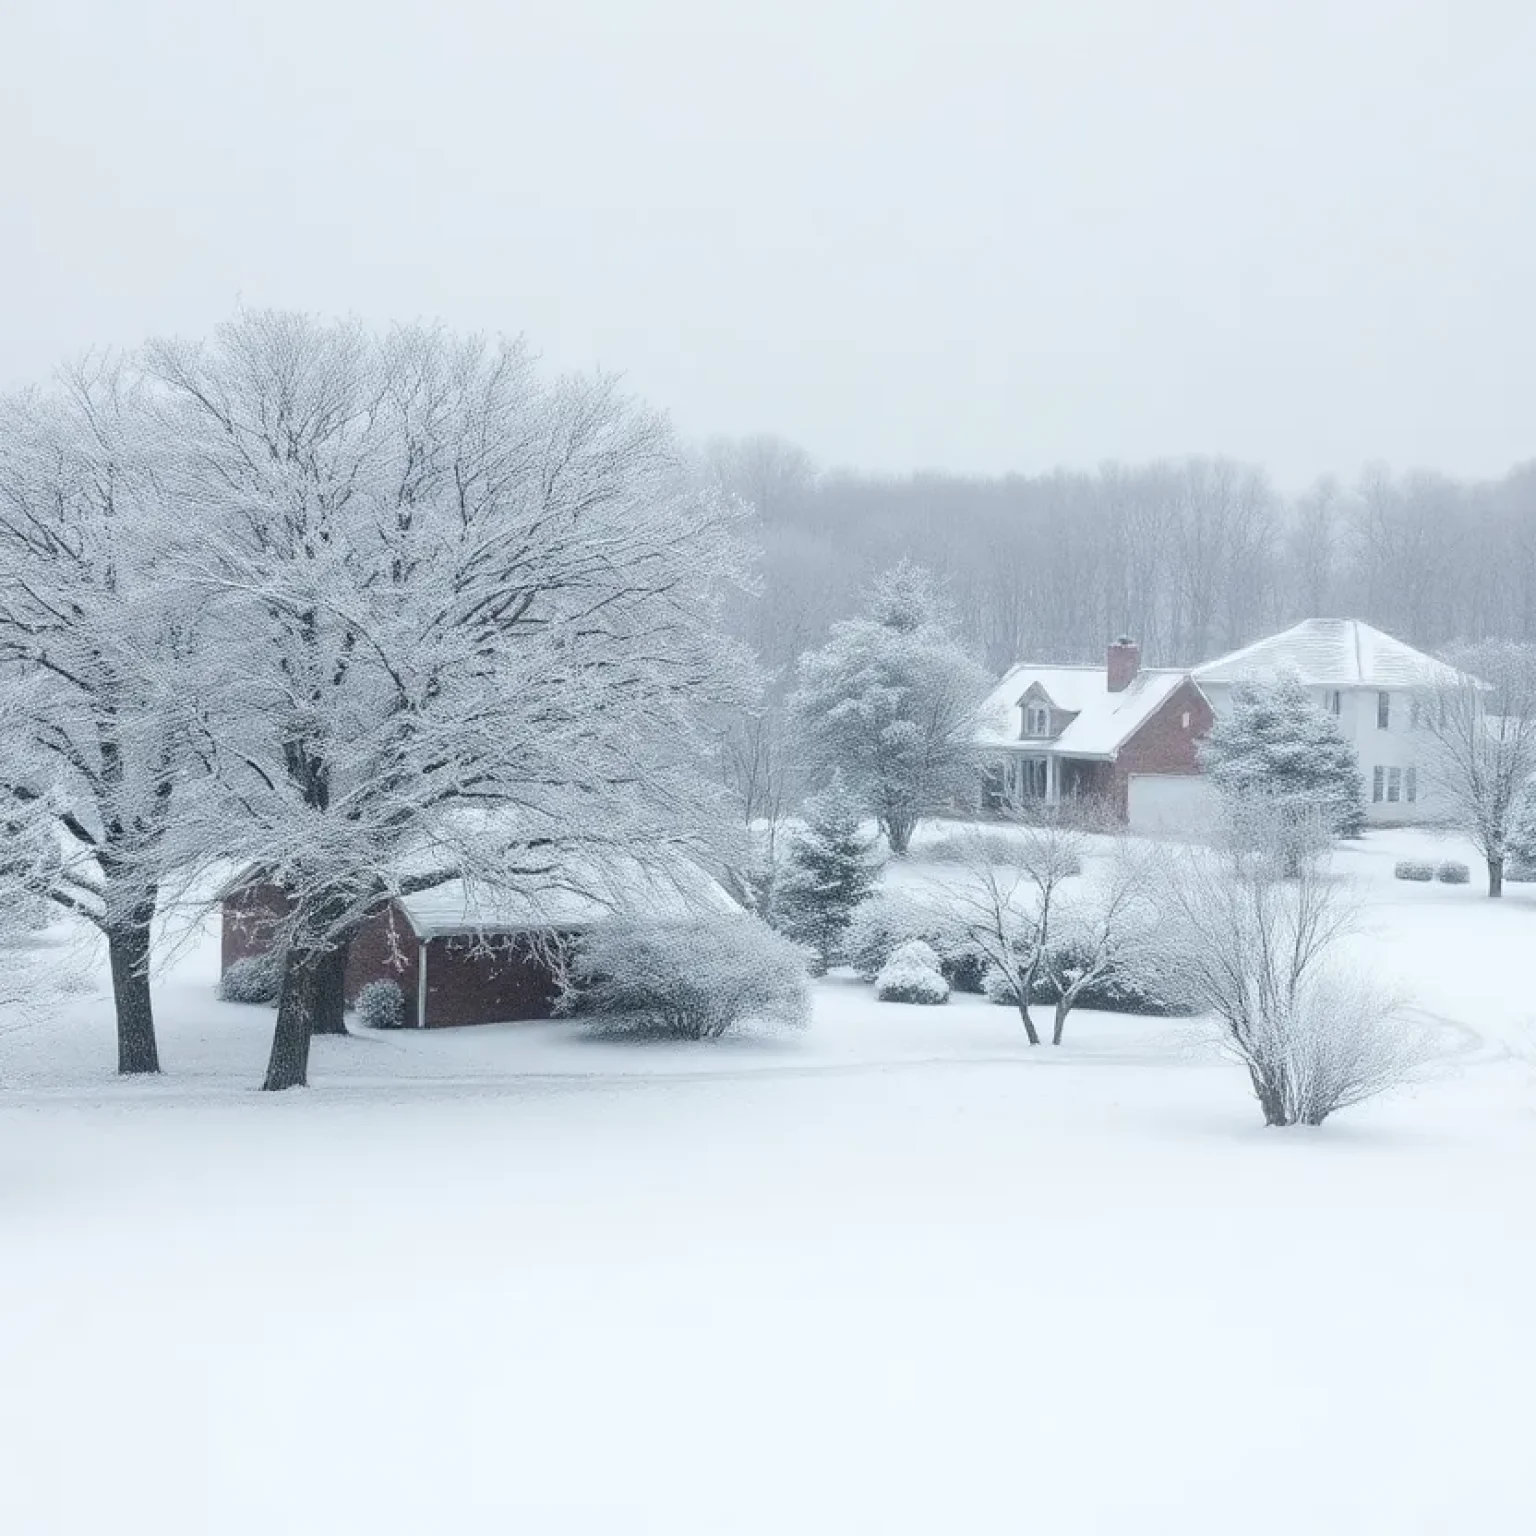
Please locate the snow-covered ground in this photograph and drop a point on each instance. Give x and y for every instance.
(898, 1273)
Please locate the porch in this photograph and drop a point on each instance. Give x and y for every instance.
(1023, 780)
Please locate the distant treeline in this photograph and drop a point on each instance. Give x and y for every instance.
(1192, 557)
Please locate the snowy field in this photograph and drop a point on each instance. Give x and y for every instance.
(896, 1274)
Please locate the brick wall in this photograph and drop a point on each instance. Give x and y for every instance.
(247, 920)
(385, 949)
(486, 981)
(469, 981)
(1163, 744)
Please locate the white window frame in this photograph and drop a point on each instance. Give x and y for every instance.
(1383, 711)
(1378, 785)
(1394, 786)
(1411, 785)
(1037, 719)
(1335, 702)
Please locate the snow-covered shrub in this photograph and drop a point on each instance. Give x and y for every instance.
(891, 918)
(381, 1005)
(998, 987)
(1413, 869)
(992, 845)
(1111, 989)
(689, 978)
(1453, 872)
(256, 979)
(912, 975)
(1255, 950)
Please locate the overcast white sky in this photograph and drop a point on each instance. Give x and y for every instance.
(955, 234)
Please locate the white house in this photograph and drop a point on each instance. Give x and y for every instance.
(1372, 683)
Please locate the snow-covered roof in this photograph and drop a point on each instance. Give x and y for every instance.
(1104, 721)
(1331, 653)
(575, 898)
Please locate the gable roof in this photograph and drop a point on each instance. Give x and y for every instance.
(582, 891)
(1104, 721)
(574, 899)
(1331, 653)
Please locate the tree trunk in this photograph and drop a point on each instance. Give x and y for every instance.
(1271, 1100)
(1496, 877)
(1029, 1023)
(288, 1066)
(330, 1000)
(128, 955)
(898, 833)
(1063, 1008)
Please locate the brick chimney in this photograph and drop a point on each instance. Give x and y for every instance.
(1124, 664)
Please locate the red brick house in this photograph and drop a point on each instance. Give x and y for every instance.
(1122, 734)
(465, 956)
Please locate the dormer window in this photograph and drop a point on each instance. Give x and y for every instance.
(1037, 720)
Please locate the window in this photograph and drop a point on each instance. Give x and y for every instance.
(1410, 785)
(1378, 785)
(1184, 723)
(1037, 720)
(1415, 713)
(1394, 785)
(1034, 778)
(1335, 702)
(1383, 711)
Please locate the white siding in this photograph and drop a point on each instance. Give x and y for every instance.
(1400, 746)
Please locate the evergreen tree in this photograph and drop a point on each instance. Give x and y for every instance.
(1279, 750)
(833, 865)
(890, 703)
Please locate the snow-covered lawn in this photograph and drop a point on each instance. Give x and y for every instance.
(896, 1274)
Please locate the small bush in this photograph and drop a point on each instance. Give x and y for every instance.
(1453, 872)
(1413, 869)
(891, 918)
(257, 979)
(381, 1005)
(912, 975)
(691, 978)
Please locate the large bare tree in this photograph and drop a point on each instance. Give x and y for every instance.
(472, 617)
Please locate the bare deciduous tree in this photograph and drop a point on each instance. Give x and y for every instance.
(472, 620)
(1258, 951)
(1009, 903)
(1481, 721)
(94, 643)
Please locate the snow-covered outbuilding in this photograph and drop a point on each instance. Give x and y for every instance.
(1373, 685)
(1122, 734)
(465, 953)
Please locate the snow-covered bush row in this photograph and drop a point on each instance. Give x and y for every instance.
(891, 918)
(912, 975)
(1108, 991)
(690, 979)
(381, 1005)
(1413, 869)
(1453, 872)
(995, 845)
(253, 980)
